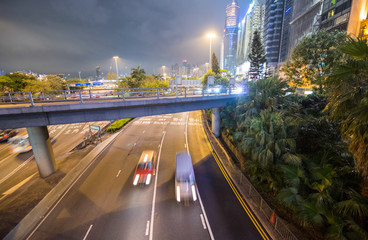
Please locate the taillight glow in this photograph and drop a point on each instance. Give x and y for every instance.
(148, 179)
(178, 193)
(136, 179)
(194, 193)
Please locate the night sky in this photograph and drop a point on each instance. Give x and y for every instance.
(67, 36)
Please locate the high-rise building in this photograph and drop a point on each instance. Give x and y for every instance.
(230, 38)
(273, 30)
(345, 15)
(285, 32)
(253, 20)
(306, 20)
(98, 73)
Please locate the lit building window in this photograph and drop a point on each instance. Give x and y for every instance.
(331, 13)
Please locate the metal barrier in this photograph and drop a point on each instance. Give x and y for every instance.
(97, 95)
(273, 223)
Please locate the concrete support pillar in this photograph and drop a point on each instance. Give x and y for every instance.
(216, 120)
(42, 150)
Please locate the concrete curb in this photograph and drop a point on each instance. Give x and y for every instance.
(36, 216)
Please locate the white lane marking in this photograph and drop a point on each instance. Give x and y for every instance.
(118, 173)
(203, 223)
(61, 131)
(26, 161)
(154, 188)
(16, 187)
(89, 229)
(16, 170)
(199, 196)
(147, 227)
(68, 189)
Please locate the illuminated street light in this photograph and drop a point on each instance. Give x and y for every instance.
(210, 36)
(116, 64)
(163, 70)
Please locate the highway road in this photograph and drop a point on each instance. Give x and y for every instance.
(14, 168)
(104, 204)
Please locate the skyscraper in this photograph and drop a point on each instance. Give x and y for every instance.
(230, 38)
(285, 33)
(253, 20)
(98, 73)
(272, 30)
(306, 18)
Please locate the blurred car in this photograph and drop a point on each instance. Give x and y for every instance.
(185, 184)
(20, 144)
(6, 134)
(217, 89)
(145, 168)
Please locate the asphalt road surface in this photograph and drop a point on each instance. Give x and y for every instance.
(104, 204)
(16, 168)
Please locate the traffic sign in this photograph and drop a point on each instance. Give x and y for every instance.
(94, 127)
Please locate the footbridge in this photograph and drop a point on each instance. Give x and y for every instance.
(36, 110)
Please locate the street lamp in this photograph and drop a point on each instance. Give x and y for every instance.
(210, 36)
(116, 64)
(163, 71)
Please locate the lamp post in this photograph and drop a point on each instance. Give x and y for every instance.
(116, 64)
(79, 76)
(163, 69)
(210, 36)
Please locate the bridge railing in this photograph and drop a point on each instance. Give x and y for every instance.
(111, 94)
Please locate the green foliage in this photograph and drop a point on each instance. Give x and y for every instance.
(219, 79)
(111, 76)
(295, 153)
(19, 81)
(139, 79)
(314, 58)
(215, 64)
(55, 82)
(118, 124)
(349, 101)
(6, 84)
(257, 56)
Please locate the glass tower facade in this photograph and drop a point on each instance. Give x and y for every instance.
(273, 30)
(231, 35)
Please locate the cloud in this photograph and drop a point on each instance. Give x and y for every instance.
(77, 35)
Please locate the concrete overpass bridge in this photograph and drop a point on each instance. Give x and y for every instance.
(36, 110)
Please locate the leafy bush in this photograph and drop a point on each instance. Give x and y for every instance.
(118, 124)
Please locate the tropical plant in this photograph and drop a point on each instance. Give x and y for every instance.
(349, 101)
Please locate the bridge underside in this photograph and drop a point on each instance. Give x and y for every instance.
(44, 115)
(36, 118)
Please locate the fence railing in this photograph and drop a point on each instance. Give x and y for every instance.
(264, 212)
(112, 94)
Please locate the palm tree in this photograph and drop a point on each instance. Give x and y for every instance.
(138, 73)
(349, 102)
